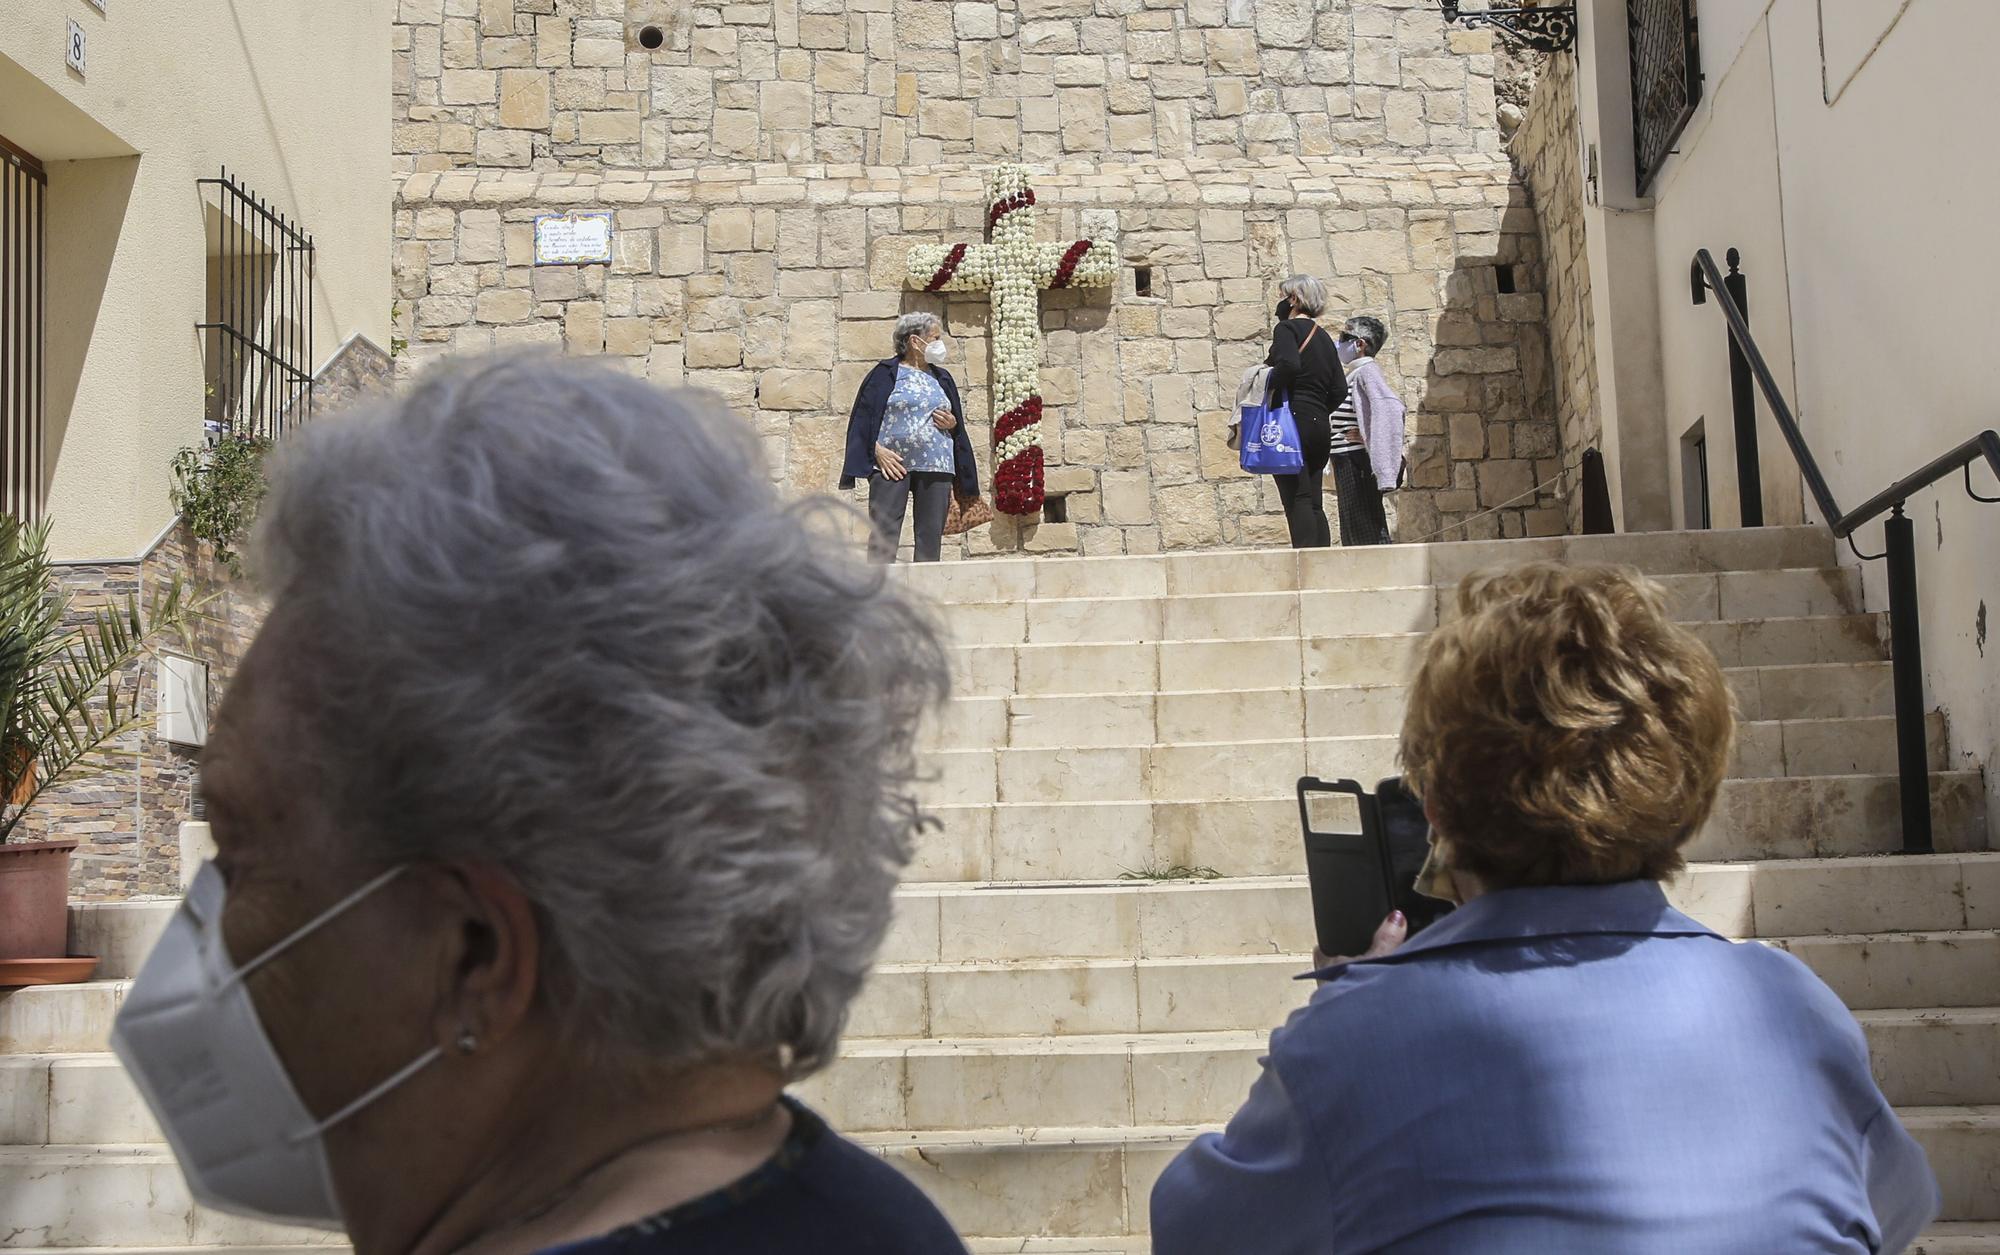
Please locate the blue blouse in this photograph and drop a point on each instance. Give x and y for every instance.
(907, 429)
(1575, 1070)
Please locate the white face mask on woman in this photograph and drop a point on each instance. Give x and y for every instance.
(935, 352)
(189, 1036)
(1348, 349)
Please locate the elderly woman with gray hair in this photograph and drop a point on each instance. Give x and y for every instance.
(1304, 365)
(559, 805)
(906, 437)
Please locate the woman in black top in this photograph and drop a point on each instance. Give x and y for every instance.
(1305, 364)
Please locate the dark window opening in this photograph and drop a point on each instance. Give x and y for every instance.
(1503, 278)
(1142, 280)
(1666, 79)
(258, 333)
(1055, 510)
(24, 198)
(652, 37)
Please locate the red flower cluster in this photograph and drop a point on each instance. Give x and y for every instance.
(948, 269)
(1017, 481)
(1008, 204)
(1067, 267)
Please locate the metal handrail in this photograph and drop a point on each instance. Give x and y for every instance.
(1905, 638)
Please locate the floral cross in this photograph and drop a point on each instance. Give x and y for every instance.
(1012, 268)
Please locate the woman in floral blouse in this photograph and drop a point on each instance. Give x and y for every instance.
(906, 437)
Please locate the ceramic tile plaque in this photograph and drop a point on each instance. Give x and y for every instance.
(579, 239)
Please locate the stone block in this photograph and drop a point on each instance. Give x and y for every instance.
(583, 327)
(468, 87)
(1231, 51)
(1187, 516)
(1127, 497)
(524, 99)
(730, 230)
(786, 106)
(505, 305)
(713, 349)
(979, 19)
(684, 92)
(628, 337)
(608, 128)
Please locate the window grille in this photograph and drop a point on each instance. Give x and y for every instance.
(1666, 79)
(24, 198)
(258, 334)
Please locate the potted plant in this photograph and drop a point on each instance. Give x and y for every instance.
(63, 700)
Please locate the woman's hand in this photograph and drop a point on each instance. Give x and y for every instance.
(889, 463)
(1387, 937)
(944, 418)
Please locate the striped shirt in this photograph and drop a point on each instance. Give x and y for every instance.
(1346, 426)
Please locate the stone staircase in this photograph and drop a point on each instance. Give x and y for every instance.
(1089, 955)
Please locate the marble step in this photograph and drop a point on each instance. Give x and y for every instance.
(1959, 1238)
(1212, 769)
(1289, 661)
(1001, 921)
(1007, 1183)
(1936, 1056)
(1064, 997)
(1846, 690)
(120, 1196)
(1110, 616)
(1443, 564)
(1259, 914)
(1754, 819)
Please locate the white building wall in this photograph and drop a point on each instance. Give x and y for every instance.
(1846, 150)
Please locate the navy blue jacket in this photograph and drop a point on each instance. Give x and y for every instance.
(864, 424)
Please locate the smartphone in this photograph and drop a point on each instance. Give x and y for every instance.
(1357, 878)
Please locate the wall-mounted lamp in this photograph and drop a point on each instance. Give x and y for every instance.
(1544, 28)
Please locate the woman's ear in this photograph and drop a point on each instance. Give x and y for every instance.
(491, 959)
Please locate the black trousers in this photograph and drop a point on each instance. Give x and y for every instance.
(889, 501)
(1304, 493)
(1362, 519)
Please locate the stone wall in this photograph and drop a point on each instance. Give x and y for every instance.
(776, 287)
(570, 84)
(1546, 150)
(127, 815)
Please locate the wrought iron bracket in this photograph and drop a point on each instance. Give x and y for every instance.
(1544, 28)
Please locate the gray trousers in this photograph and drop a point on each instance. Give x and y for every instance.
(889, 501)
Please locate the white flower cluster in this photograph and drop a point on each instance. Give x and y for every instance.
(974, 273)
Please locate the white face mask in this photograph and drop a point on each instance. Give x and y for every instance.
(1348, 350)
(935, 352)
(189, 1036)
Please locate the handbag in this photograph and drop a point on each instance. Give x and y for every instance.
(966, 513)
(1273, 446)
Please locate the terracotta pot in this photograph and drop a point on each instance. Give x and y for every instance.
(34, 899)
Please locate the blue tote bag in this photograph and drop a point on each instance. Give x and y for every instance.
(1270, 437)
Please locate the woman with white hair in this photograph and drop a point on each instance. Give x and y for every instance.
(559, 805)
(906, 437)
(1305, 366)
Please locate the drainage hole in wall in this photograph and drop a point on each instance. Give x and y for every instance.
(1142, 280)
(1503, 276)
(652, 37)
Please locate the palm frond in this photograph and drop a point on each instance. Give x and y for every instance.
(63, 692)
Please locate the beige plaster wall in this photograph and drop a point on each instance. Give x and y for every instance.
(295, 101)
(1843, 148)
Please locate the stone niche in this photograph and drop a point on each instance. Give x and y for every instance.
(776, 288)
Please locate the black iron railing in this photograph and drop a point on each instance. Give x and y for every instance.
(1905, 632)
(258, 334)
(1666, 79)
(24, 199)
